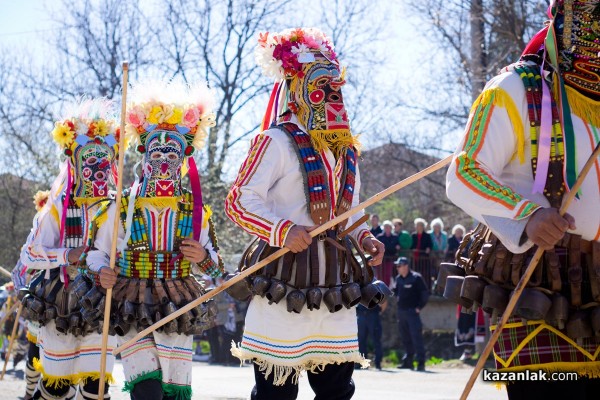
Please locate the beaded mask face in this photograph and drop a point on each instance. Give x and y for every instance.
(318, 95)
(92, 168)
(579, 44)
(162, 164)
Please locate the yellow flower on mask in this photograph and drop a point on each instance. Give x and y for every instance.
(175, 117)
(101, 128)
(153, 117)
(63, 135)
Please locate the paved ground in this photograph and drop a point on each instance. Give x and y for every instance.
(234, 383)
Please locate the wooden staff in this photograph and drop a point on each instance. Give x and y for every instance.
(10, 311)
(5, 272)
(113, 248)
(525, 279)
(322, 228)
(13, 337)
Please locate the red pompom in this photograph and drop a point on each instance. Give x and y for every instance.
(68, 152)
(189, 151)
(141, 149)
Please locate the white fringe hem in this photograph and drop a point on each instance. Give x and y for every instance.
(281, 373)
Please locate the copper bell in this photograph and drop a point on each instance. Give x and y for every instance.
(295, 301)
(121, 326)
(333, 299)
(446, 270)
(37, 306)
(260, 285)
(559, 311)
(81, 289)
(184, 323)
(276, 292)
(22, 293)
(313, 298)
(128, 312)
(495, 300)
(144, 316)
(241, 290)
(62, 325)
(171, 326)
(472, 289)
(74, 321)
(350, 294)
(532, 305)
(595, 317)
(50, 313)
(370, 295)
(383, 288)
(452, 291)
(579, 327)
(89, 316)
(91, 298)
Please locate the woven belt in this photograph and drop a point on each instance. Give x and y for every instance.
(152, 265)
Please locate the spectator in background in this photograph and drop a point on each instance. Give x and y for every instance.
(404, 238)
(458, 232)
(421, 241)
(369, 324)
(390, 241)
(439, 238)
(375, 228)
(412, 294)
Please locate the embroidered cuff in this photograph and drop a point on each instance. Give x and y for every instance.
(363, 234)
(279, 233)
(209, 267)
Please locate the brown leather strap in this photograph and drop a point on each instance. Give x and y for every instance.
(173, 294)
(272, 267)
(183, 291)
(501, 268)
(243, 261)
(331, 268)
(484, 256)
(553, 270)
(161, 293)
(193, 286)
(315, 267)
(286, 266)
(352, 227)
(142, 291)
(516, 264)
(575, 272)
(301, 269)
(343, 265)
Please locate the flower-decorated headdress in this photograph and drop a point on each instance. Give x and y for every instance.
(176, 107)
(88, 120)
(40, 198)
(281, 55)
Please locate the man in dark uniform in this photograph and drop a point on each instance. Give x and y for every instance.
(369, 324)
(412, 295)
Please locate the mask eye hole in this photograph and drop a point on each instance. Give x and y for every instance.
(173, 156)
(156, 156)
(323, 81)
(91, 160)
(334, 97)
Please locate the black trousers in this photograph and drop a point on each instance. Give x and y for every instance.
(581, 389)
(411, 333)
(333, 383)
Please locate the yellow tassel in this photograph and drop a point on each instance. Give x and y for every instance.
(335, 140)
(58, 382)
(31, 338)
(158, 202)
(501, 98)
(54, 213)
(79, 201)
(207, 214)
(584, 107)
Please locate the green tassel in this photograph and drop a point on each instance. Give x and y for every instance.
(178, 392)
(128, 387)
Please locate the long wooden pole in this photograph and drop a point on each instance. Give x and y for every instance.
(10, 311)
(322, 228)
(525, 279)
(13, 337)
(5, 272)
(113, 248)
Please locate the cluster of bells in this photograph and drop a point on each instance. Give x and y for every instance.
(472, 291)
(83, 310)
(335, 298)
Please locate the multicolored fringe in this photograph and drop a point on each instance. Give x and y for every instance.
(281, 373)
(179, 392)
(58, 382)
